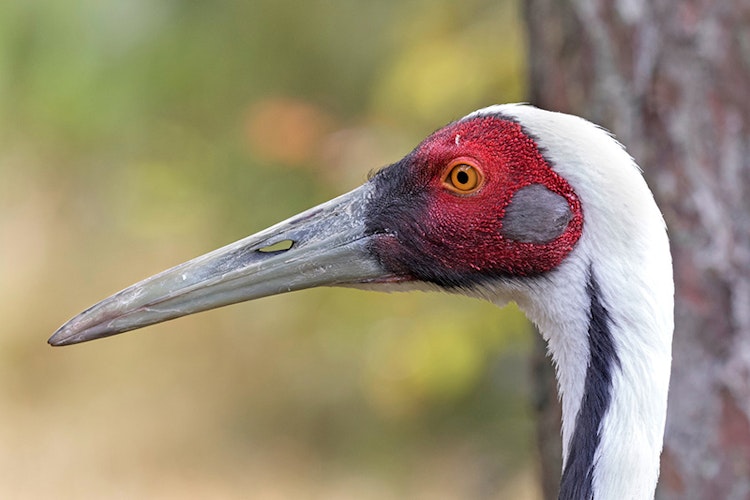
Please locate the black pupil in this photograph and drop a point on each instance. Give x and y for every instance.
(462, 177)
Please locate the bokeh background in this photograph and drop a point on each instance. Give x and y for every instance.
(136, 135)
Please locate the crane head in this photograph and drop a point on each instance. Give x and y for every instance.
(475, 201)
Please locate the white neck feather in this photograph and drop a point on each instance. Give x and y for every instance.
(625, 247)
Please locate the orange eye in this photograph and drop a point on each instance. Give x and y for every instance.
(463, 177)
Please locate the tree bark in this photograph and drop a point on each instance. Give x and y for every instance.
(671, 79)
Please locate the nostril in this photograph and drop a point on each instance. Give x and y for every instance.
(279, 246)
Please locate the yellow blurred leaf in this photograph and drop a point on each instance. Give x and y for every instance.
(286, 130)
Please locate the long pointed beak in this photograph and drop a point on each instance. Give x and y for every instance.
(326, 245)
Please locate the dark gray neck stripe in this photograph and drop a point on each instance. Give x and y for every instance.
(578, 475)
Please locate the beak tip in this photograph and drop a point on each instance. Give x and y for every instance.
(60, 338)
(70, 334)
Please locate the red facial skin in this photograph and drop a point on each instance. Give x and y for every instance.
(436, 234)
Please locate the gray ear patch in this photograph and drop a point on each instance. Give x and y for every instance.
(535, 215)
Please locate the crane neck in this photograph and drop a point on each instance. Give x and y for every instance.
(606, 312)
(612, 361)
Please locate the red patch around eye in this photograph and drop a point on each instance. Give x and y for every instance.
(463, 233)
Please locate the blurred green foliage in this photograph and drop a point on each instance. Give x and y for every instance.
(135, 135)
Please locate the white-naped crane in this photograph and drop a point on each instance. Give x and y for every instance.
(510, 203)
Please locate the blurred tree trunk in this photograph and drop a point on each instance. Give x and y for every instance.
(671, 78)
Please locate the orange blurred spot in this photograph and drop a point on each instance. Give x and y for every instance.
(286, 130)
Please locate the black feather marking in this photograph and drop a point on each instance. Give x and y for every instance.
(578, 475)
